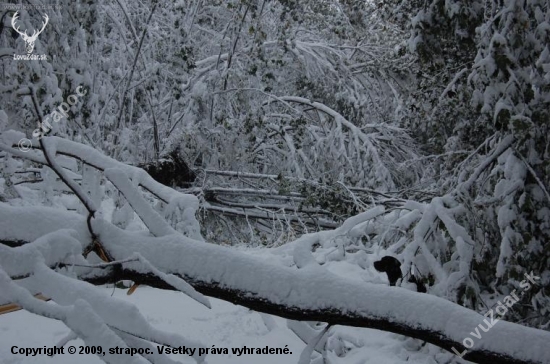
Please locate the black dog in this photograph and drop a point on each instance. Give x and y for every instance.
(390, 266)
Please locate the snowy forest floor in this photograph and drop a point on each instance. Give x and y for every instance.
(226, 325)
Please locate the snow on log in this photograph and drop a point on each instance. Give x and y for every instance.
(307, 294)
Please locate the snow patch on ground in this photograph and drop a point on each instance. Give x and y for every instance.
(226, 325)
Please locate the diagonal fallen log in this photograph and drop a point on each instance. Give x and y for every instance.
(308, 294)
(328, 315)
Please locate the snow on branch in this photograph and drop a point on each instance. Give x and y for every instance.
(117, 313)
(142, 265)
(375, 157)
(315, 295)
(53, 247)
(304, 294)
(154, 222)
(79, 317)
(96, 159)
(49, 149)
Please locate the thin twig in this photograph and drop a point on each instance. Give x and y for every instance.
(119, 118)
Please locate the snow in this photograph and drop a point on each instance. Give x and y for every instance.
(305, 357)
(98, 160)
(143, 266)
(51, 248)
(156, 224)
(120, 315)
(226, 325)
(309, 287)
(43, 222)
(313, 288)
(326, 101)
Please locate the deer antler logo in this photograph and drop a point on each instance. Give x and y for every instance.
(29, 40)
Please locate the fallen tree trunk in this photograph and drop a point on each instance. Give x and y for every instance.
(308, 294)
(330, 316)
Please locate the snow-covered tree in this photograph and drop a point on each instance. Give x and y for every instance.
(334, 130)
